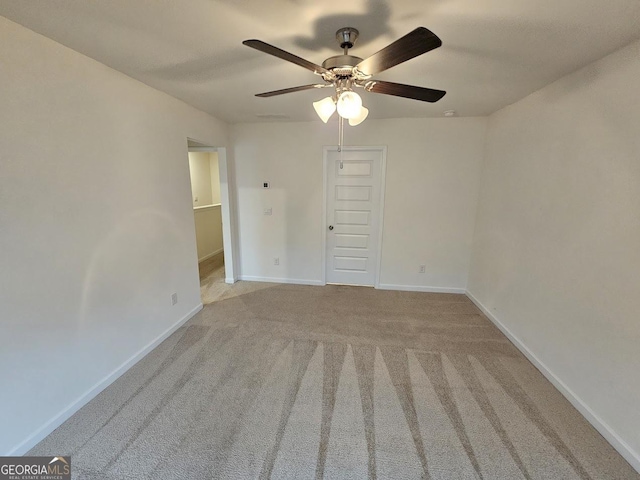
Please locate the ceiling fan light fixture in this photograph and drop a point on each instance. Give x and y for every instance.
(349, 105)
(364, 113)
(325, 108)
(343, 72)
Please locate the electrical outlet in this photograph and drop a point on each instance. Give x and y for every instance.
(423, 269)
(174, 298)
(276, 261)
(268, 211)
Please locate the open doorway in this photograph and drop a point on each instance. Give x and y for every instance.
(207, 213)
(212, 217)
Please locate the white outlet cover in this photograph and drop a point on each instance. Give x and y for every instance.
(268, 211)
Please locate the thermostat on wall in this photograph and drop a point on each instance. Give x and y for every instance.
(266, 185)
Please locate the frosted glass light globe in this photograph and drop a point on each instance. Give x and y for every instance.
(364, 112)
(349, 105)
(325, 108)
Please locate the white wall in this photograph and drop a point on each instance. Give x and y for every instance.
(200, 173)
(208, 222)
(88, 264)
(215, 177)
(433, 170)
(556, 256)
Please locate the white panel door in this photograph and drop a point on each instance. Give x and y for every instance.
(354, 185)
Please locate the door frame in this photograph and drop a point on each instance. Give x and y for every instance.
(226, 209)
(383, 178)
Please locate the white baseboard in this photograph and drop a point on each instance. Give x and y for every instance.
(212, 254)
(296, 281)
(33, 439)
(605, 430)
(420, 288)
(383, 286)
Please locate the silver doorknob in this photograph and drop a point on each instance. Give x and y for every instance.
(330, 227)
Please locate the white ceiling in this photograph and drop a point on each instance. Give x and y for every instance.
(494, 51)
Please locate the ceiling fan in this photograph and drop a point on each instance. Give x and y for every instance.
(346, 72)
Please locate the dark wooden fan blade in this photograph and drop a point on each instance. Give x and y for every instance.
(291, 90)
(406, 91)
(289, 57)
(420, 41)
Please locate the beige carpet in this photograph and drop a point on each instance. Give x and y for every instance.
(334, 382)
(212, 282)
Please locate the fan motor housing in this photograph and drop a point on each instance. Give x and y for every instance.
(341, 65)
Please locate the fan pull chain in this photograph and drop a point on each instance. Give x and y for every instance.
(340, 138)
